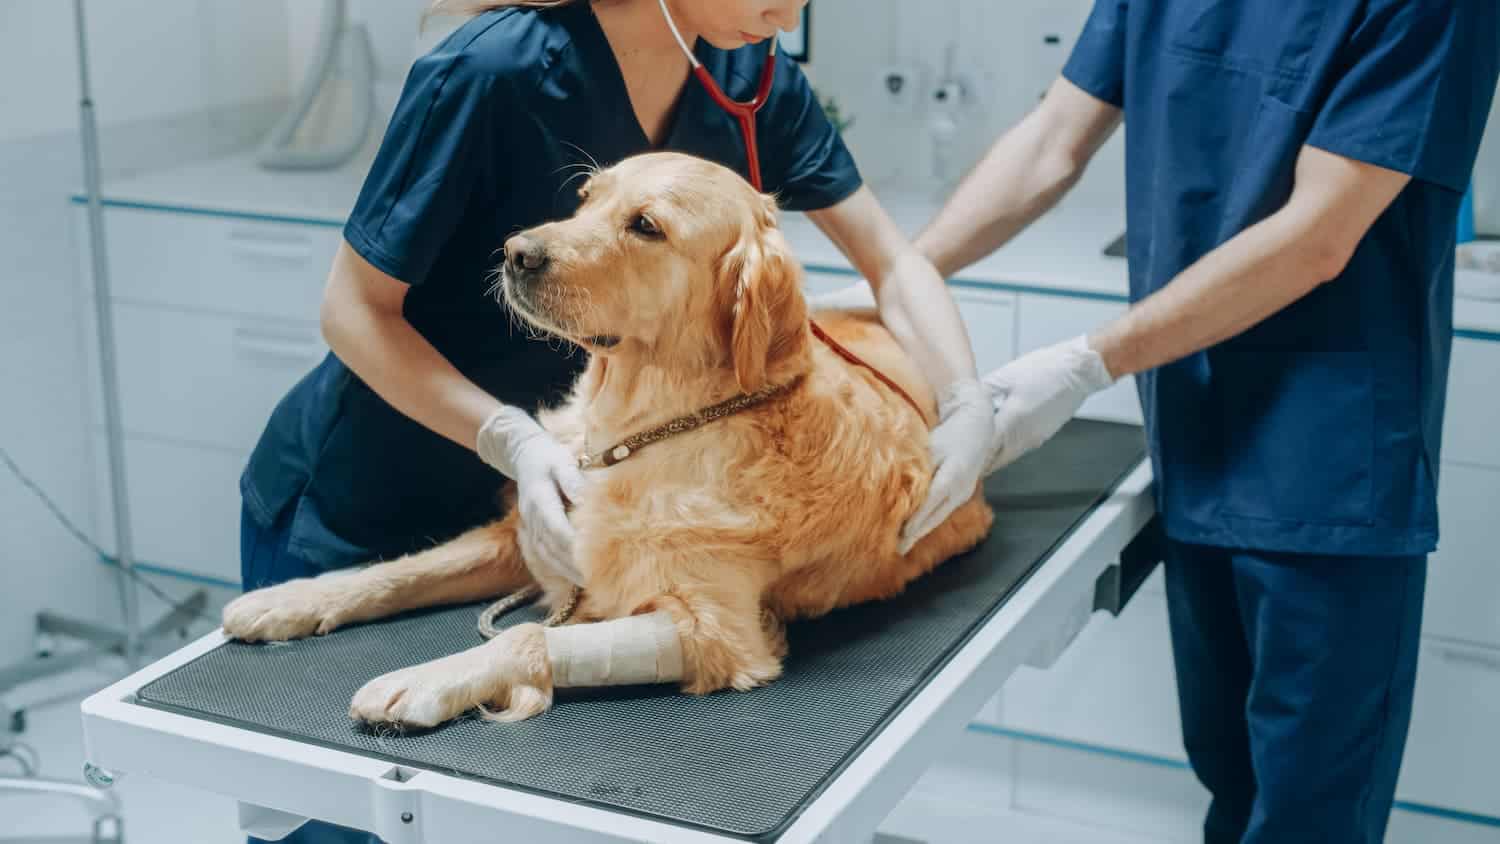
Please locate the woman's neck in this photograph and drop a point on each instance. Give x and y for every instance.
(637, 27)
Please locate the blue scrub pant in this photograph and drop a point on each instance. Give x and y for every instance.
(1294, 677)
(265, 561)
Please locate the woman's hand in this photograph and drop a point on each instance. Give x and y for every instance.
(547, 478)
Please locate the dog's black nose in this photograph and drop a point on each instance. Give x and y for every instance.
(525, 254)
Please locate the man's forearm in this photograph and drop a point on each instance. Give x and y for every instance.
(1017, 181)
(1249, 278)
(1024, 174)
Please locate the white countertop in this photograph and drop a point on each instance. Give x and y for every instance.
(1061, 253)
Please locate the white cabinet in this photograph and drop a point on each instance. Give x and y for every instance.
(1472, 419)
(215, 318)
(184, 503)
(217, 263)
(1114, 687)
(206, 378)
(1463, 576)
(1046, 319)
(990, 320)
(817, 282)
(1452, 755)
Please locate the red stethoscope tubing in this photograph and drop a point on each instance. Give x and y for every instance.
(744, 113)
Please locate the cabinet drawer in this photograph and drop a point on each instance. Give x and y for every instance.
(815, 283)
(1473, 404)
(217, 263)
(204, 378)
(1463, 575)
(990, 319)
(1045, 320)
(1113, 687)
(1454, 742)
(184, 505)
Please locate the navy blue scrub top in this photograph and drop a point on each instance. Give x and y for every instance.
(489, 130)
(1317, 431)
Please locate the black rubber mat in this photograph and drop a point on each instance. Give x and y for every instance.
(741, 764)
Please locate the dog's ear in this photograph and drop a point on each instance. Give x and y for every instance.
(761, 279)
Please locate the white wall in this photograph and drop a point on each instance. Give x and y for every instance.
(998, 52)
(173, 80)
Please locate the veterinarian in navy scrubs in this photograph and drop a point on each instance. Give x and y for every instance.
(1293, 176)
(373, 453)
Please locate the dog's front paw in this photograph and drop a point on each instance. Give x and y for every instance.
(509, 673)
(292, 610)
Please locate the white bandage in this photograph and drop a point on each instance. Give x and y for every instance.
(624, 652)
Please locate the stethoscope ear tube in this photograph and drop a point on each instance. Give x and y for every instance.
(742, 112)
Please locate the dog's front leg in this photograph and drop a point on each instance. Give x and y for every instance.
(481, 563)
(508, 678)
(687, 637)
(512, 676)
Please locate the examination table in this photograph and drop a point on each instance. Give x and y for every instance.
(871, 696)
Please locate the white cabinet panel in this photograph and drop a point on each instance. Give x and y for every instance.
(1113, 687)
(184, 505)
(815, 283)
(224, 264)
(1454, 743)
(205, 378)
(1473, 413)
(1463, 576)
(1045, 320)
(990, 319)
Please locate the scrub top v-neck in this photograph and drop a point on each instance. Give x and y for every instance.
(490, 128)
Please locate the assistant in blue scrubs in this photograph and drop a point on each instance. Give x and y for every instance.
(489, 131)
(1296, 464)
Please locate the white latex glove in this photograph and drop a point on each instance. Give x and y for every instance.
(960, 445)
(1037, 393)
(545, 474)
(857, 295)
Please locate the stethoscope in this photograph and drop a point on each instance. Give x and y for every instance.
(743, 112)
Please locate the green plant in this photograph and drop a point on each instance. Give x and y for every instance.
(835, 113)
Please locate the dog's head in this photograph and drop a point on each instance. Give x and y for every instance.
(669, 257)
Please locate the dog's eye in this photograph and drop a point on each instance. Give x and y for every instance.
(644, 226)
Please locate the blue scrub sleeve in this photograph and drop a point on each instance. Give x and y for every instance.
(1415, 88)
(435, 162)
(1097, 63)
(803, 157)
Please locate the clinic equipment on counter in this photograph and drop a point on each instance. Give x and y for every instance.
(280, 149)
(870, 696)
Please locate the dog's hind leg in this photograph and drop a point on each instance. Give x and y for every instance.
(481, 563)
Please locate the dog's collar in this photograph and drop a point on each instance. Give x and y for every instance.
(682, 424)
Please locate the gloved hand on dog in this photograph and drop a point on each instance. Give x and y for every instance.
(960, 446)
(546, 476)
(1037, 393)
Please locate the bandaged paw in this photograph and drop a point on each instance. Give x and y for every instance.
(630, 651)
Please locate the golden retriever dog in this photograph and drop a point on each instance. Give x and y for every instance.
(675, 277)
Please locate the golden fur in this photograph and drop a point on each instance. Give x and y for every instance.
(785, 511)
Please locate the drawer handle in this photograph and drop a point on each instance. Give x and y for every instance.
(1471, 659)
(258, 346)
(274, 246)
